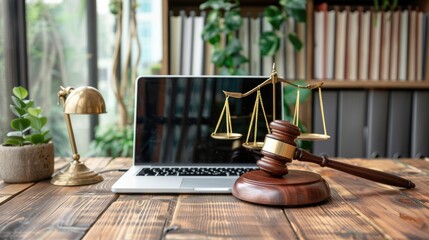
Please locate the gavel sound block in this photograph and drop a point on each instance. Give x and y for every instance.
(274, 184)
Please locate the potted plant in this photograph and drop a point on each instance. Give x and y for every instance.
(27, 153)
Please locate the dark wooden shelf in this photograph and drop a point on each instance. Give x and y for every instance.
(371, 84)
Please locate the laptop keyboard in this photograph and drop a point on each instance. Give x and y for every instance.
(194, 171)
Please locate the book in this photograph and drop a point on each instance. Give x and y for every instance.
(290, 51)
(364, 44)
(420, 128)
(394, 45)
(267, 61)
(399, 124)
(330, 44)
(352, 46)
(319, 44)
(385, 45)
(187, 42)
(420, 47)
(374, 58)
(330, 103)
(412, 40)
(198, 49)
(280, 57)
(255, 54)
(175, 43)
(244, 36)
(340, 41)
(378, 105)
(403, 46)
(300, 55)
(351, 123)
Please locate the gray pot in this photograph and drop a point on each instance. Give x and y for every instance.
(26, 163)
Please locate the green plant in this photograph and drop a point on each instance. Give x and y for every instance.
(269, 42)
(113, 141)
(223, 21)
(29, 122)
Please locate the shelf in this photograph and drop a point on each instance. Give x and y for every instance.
(370, 84)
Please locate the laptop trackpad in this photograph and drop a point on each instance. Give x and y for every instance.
(207, 182)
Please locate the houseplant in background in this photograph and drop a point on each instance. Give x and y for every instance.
(27, 153)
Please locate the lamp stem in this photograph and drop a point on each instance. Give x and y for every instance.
(70, 132)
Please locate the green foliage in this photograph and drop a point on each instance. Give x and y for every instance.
(29, 122)
(113, 141)
(223, 21)
(270, 40)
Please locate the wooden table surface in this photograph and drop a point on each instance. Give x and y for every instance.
(357, 209)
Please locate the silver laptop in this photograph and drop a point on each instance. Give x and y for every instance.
(174, 119)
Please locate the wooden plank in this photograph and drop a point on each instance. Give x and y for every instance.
(422, 164)
(134, 217)
(388, 208)
(7, 191)
(223, 216)
(48, 211)
(333, 219)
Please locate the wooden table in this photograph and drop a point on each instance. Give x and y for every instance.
(358, 209)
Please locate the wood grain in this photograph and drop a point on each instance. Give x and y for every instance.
(223, 216)
(386, 207)
(133, 217)
(334, 219)
(55, 212)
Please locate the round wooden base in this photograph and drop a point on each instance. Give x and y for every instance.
(294, 189)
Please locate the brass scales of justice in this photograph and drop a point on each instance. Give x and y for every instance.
(273, 183)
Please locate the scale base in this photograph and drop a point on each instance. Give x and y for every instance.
(297, 188)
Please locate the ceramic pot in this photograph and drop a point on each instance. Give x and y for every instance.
(26, 163)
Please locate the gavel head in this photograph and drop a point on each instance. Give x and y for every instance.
(279, 148)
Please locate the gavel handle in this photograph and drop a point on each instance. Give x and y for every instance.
(370, 174)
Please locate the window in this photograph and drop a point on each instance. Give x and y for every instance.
(3, 89)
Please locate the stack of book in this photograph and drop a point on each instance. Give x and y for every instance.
(190, 55)
(354, 43)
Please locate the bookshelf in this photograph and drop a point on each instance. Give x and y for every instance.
(254, 7)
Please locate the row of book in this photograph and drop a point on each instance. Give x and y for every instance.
(373, 123)
(190, 55)
(368, 45)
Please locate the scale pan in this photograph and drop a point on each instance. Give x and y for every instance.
(226, 136)
(313, 137)
(253, 145)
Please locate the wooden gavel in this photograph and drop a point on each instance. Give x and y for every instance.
(280, 148)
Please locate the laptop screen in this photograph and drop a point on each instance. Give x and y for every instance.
(175, 117)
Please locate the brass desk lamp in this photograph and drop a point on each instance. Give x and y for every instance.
(82, 100)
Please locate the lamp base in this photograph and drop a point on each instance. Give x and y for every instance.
(294, 189)
(76, 174)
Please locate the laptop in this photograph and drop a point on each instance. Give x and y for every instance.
(175, 116)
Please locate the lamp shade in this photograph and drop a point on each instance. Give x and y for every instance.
(85, 100)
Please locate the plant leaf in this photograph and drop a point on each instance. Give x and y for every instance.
(18, 102)
(274, 16)
(296, 9)
(233, 20)
(14, 141)
(20, 92)
(14, 134)
(36, 122)
(234, 46)
(269, 43)
(218, 57)
(211, 33)
(290, 93)
(34, 111)
(37, 138)
(20, 124)
(296, 42)
(19, 112)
